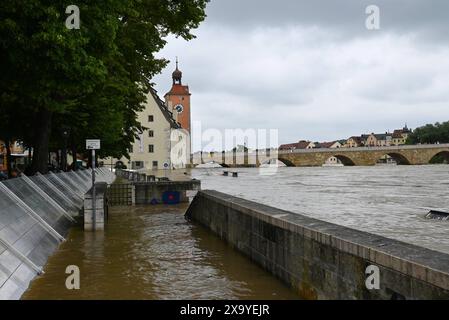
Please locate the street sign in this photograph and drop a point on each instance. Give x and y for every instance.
(93, 144)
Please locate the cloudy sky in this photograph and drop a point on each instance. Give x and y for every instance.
(313, 70)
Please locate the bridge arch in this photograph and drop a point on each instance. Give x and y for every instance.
(399, 158)
(287, 162)
(345, 160)
(440, 157)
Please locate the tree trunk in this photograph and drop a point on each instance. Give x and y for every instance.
(42, 137)
(58, 158)
(29, 157)
(64, 158)
(8, 157)
(74, 163)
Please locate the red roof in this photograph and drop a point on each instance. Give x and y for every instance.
(356, 139)
(300, 145)
(326, 145)
(398, 133)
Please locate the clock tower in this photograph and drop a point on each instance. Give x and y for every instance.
(178, 100)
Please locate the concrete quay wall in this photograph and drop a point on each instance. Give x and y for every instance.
(146, 192)
(321, 260)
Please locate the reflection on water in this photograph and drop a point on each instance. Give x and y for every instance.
(391, 201)
(153, 253)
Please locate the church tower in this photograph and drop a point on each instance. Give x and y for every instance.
(178, 100)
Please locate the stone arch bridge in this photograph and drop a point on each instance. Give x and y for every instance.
(364, 156)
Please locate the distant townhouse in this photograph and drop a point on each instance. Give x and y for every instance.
(299, 145)
(328, 145)
(400, 136)
(17, 152)
(354, 142)
(379, 140)
(364, 139)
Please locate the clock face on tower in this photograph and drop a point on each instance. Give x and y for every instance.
(179, 108)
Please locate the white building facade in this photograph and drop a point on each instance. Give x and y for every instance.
(165, 142)
(161, 145)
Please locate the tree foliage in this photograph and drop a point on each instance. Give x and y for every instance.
(92, 80)
(430, 133)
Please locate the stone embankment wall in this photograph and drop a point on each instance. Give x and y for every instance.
(321, 260)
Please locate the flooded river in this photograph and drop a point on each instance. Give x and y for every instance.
(153, 253)
(391, 201)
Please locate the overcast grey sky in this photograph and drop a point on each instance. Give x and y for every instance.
(311, 68)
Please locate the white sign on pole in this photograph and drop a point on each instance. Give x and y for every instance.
(93, 144)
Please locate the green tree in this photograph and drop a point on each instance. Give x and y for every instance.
(92, 80)
(49, 66)
(430, 133)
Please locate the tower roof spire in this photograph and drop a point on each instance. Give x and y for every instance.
(177, 74)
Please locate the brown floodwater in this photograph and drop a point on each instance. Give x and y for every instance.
(152, 252)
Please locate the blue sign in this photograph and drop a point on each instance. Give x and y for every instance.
(171, 197)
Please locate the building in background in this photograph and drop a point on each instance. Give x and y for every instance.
(354, 142)
(397, 138)
(18, 155)
(328, 145)
(178, 100)
(400, 136)
(379, 140)
(296, 146)
(164, 144)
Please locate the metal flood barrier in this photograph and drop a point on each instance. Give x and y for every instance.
(35, 215)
